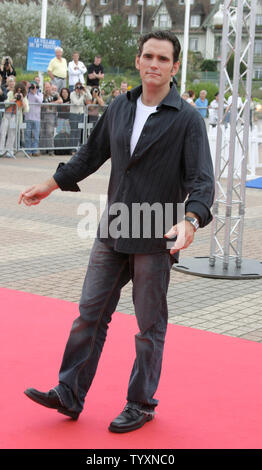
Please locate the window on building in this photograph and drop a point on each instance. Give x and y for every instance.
(103, 2)
(163, 21)
(88, 21)
(193, 44)
(128, 3)
(258, 73)
(213, 2)
(258, 20)
(151, 3)
(106, 19)
(182, 2)
(132, 20)
(258, 47)
(195, 21)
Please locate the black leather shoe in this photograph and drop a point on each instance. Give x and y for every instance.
(50, 400)
(129, 420)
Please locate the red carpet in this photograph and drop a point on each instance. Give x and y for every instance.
(210, 391)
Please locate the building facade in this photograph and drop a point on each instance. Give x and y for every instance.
(205, 28)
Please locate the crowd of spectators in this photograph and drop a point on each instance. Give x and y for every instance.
(53, 117)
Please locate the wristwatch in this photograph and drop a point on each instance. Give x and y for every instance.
(193, 221)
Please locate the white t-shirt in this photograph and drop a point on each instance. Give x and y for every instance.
(142, 113)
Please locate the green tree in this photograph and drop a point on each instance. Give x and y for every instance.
(117, 44)
(20, 21)
(208, 65)
(230, 67)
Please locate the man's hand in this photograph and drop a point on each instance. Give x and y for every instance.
(185, 235)
(34, 194)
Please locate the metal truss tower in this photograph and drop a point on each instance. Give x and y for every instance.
(232, 147)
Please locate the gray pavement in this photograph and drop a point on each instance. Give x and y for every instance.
(42, 253)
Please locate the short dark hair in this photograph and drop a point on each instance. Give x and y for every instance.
(163, 36)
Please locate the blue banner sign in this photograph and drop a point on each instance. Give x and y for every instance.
(40, 52)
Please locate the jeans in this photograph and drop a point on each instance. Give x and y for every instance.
(32, 133)
(109, 271)
(76, 132)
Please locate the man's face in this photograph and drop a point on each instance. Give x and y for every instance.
(47, 88)
(202, 95)
(124, 87)
(75, 57)
(58, 54)
(156, 64)
(97, 60)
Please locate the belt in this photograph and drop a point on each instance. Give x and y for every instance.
(60, 78)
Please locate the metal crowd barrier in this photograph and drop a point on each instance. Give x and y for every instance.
(50, 128)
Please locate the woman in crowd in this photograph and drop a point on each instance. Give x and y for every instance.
(79, 98)
(115, 92)
(63, 129)
(16, 105)
(191, 97)
(6, 69)
(63, 111)
(97, 101)
(48, 118)
(2, 99)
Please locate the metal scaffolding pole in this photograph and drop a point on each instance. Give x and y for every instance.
(225, 260)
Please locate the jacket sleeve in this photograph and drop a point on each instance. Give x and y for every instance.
(198, 171)
(88, 159)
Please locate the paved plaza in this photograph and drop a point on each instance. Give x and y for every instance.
(42, 253)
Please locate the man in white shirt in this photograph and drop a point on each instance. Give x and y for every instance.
(76, 71)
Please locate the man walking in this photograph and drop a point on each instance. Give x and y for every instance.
(160, 155)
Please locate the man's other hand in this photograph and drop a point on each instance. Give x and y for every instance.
(34, 194)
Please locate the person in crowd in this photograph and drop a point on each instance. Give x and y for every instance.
(27, 85)
(12, 118)
(3, 96)
(48, 118)
(202, 103)
(152, 160)
(57, 69)
(63, 112)
(95, 72)
(63, 130)
(76, 71)
(97, 101)
(123, 87)
(6, 69)
(114, 93)
(10, 83)
(79, 98)
(191, 97)
(229, 105)
(32, 120)
(185, 96)
(37, 80)
(213, 111)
